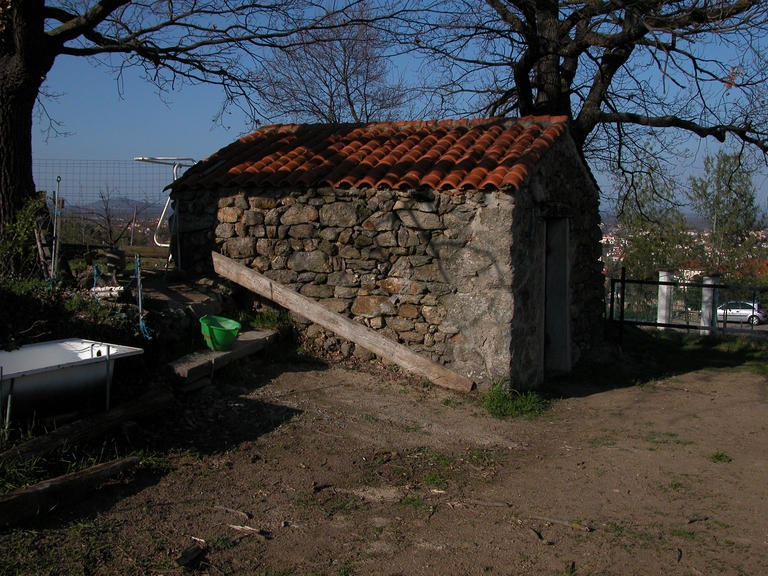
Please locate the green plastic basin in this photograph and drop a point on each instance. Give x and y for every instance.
(219, 333)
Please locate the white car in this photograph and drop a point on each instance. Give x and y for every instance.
(740, 311)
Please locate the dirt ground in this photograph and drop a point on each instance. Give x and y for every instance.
(303, 468)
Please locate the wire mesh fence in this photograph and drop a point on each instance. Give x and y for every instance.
(106, 202)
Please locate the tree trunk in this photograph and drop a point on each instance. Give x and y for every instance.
(552, 96)
(25, 58)
(16, 182)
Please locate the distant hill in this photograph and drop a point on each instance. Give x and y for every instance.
(694, 221)
(118, 207)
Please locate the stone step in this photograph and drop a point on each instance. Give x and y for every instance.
(202, 363)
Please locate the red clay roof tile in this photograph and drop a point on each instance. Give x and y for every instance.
(484, 154)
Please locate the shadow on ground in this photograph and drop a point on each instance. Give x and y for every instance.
(648, 355)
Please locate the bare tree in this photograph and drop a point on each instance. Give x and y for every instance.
(334, 75)
(620, 71)
(172, 42)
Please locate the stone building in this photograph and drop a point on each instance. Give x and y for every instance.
(475, 243)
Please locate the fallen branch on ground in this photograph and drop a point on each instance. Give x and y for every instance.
(22, 504)
(76, 432)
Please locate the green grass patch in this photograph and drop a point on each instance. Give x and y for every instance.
(21, 555)
(415, 502)
(720, 457)
(219, 542)
(653, 355)
(266, 319)
(758, 367)
(21, 286)
(687, 534)
(435, 481)
(20, 472)
(413, 429)
(666, 438)
(334, 506)
(502, 403)
(615, 530)
(452, 402)
(601, 441)
(482, 458)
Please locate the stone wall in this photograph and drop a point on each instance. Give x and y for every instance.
(438, 272)
(431, 271)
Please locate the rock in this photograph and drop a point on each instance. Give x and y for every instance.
(299, 214)
(402, 268)
(420, 220)
(301, 231)
(386, 239)
(434, 314)
(371, 306)
(349, 252)
(335, 305)
(342, 214)
(225, 230)
(317, 291)
(363, 354)
(262, 203)
(241, 202)
(345, 292)
(241, 247)
(343, 279)
(252, 217)
(312, 261)
(400, 324)
(282, 276)
(392, 285)
(381, 222)
(229, 214)
(408, 311)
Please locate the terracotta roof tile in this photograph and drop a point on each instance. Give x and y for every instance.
(483, 154)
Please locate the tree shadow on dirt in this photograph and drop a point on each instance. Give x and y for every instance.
(208, 422)
(192, 428)
(645, 356)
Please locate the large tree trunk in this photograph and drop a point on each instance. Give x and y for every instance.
(25, 58)
(552, 96)
(16, 183)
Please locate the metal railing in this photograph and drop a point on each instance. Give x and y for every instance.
(687, 305)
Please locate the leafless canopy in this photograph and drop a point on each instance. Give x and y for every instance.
(335, 75)
(171, 42)
(616, 68)
(219, 42)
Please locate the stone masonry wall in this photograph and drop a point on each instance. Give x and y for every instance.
(431, 270)
(458, 277)
(563, 176)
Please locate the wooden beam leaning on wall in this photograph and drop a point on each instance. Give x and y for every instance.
(342, 326)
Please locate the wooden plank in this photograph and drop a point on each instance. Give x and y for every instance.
(22, 504)
(81, 430)
(198, 364)
(344, 327)
(76, 432)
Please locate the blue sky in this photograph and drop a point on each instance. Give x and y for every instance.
(106, 126)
